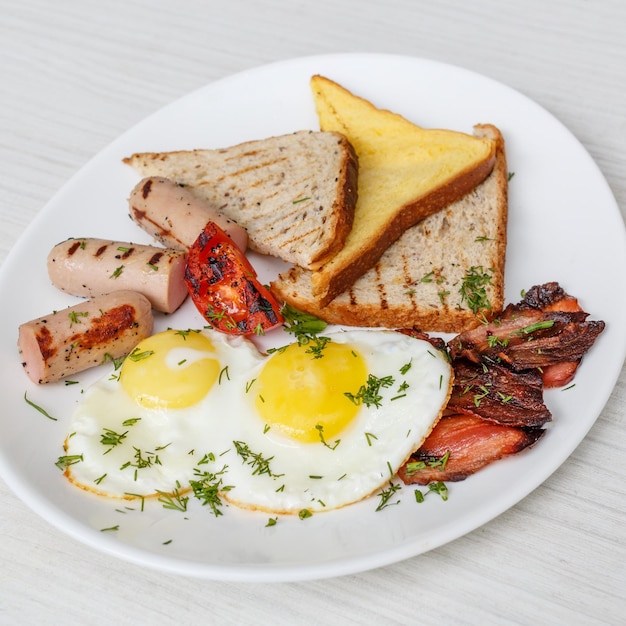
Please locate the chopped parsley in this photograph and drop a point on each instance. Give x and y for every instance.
(259, 464)
(369, 394)
(38, 408)
(387, 494)
(473, 288)
(306, 329)
(320, 430)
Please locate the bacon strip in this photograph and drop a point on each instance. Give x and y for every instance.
(535, 333)
(472, 443)
(498, 394)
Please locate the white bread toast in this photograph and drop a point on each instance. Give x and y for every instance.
(418, 280)
(294, 194)
(406, 173)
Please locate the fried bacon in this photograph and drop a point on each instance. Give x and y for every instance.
(499, 394)
(501, 369)
(534, 333)
(435, 342)
(470, 444)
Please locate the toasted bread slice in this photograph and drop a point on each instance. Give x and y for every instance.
(418, 281)
(406, 173)
(295, 194)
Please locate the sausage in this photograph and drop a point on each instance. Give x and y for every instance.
(174, 216)
(76, 338)
(93, 267)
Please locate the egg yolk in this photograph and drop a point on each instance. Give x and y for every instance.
(304, 397)
(172, 369)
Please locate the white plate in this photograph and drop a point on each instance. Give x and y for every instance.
(564, 225)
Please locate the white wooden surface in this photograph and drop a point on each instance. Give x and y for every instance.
(74, 74)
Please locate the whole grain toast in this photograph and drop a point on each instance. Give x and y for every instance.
(295, 194)
(406, 173)
(442, 275)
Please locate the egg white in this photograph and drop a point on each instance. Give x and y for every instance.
(161, 446)
(259, 467)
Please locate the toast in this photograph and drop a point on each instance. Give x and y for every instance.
(418, 280)
(406, 173)
(295, 194)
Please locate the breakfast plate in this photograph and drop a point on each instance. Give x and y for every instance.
(564, 225)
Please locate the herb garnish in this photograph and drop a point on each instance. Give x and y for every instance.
(369, 393)
(406, 367)
(439, 487)
(75, 317)
(38, 408)
(223, 372)
(142, 461)
(478, 396)
(111, 438)
(387, 494)
(174, 501)
(531, 328)
(369, 437)
(494, 340)
(136, 355)
(473, 288)
(117, 363)
(432, 462)
(305, 328)
(320, 430)
(64, 462)
(207, 487)
(259, 464)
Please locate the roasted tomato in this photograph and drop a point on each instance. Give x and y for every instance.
(224, 286)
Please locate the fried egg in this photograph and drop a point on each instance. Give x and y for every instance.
(310, 427)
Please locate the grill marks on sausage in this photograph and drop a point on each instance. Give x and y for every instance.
(77, 245)
(160, 233)
(155, 258)
(140, 216)
(101, 331)
(124, 253)
(146, 189)
(109, 327)
(45, 341)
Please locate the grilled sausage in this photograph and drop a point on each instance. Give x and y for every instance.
(174, 216)
(74, 339)
(93, 267)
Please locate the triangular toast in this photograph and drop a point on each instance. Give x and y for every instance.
(294, 194)
(418, 281)
(406, 173)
